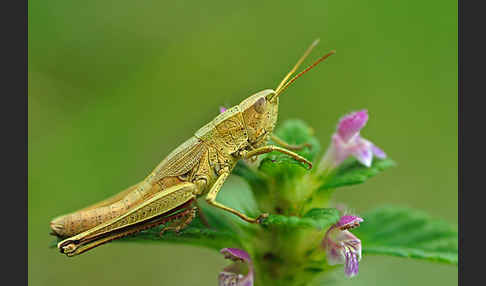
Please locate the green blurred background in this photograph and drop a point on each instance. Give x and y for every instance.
(114, 86)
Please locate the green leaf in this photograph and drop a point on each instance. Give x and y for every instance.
(352, 172)
(254, 178)
(405, 232)
(315, 218)
(196, 234)
(280, 165)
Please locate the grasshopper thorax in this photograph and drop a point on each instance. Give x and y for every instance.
(260, 112)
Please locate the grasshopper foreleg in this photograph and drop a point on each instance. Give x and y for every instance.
(213, 192)
(288, 146)
(271, 148)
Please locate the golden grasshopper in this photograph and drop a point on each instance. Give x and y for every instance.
(198, 167)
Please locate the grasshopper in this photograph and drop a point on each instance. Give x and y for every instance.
(198, 167)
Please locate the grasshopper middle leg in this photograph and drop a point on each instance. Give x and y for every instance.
(185, 218)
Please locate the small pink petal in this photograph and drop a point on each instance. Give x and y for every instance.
(362, 152)
(352, 257)
(350, 125)
(222, 109)
(235, 254)
(338, 150)
(348, 222)
(334, 254)
(378, 152)
(232, 274)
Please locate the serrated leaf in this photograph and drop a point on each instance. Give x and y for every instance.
(315, 218)
(405, 232)
(351, 172)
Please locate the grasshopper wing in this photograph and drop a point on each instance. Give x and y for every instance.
(182, 160)
(111, 199)
(179, 162)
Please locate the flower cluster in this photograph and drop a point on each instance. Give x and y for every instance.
(338, 243)
(347, 142)
(233, 274)
(341, 246)
(306, 234)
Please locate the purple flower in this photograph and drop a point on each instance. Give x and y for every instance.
(222, 109)
(347, 142)
(341, 246)
(233, 274)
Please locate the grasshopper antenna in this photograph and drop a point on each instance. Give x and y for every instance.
(299, 62)
(285, 84)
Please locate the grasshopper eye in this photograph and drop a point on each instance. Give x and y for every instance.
(260, 104)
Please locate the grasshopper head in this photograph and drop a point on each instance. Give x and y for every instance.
(260, 113)
(260, 110)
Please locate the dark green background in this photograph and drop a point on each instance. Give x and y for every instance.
(114, 86)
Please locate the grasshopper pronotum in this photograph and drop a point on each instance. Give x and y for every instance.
(197, 167)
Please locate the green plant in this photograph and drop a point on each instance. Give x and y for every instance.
(306, 235)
